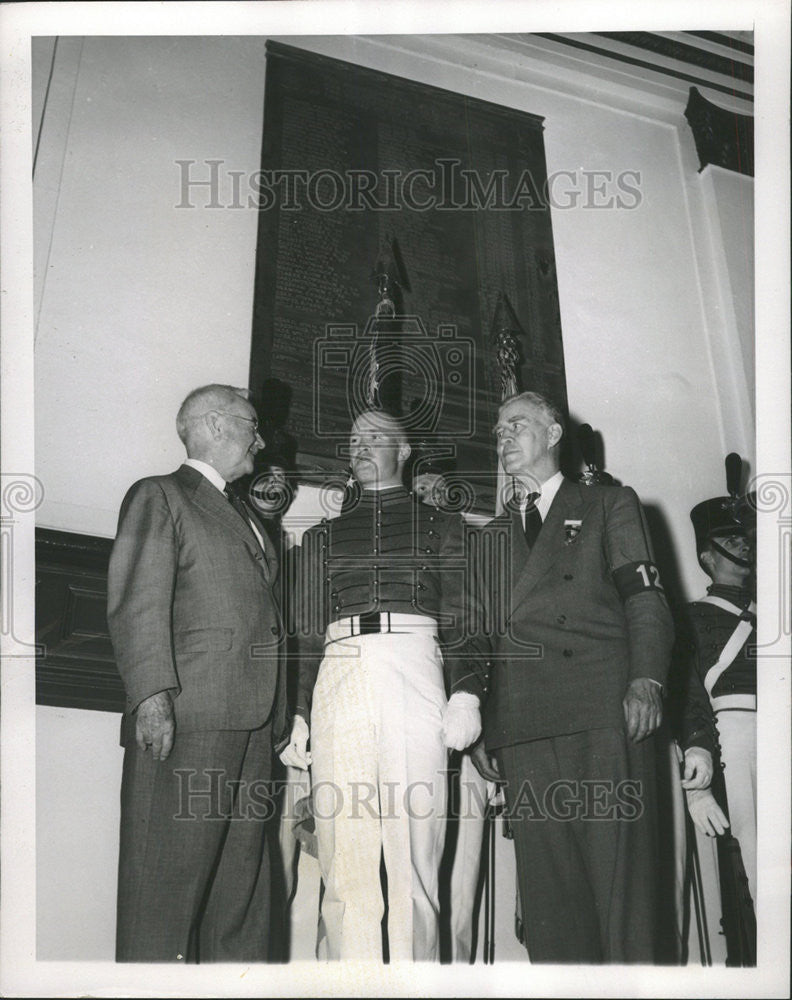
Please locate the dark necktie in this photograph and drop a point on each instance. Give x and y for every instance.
(533, 519)
(236, 502)
(233, 498)
(238, 505)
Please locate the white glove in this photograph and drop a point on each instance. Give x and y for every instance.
(698, 768)
(705, 812)
(296, 754)
(461, 720)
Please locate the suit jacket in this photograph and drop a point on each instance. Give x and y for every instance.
(566, 640)
(192, 607)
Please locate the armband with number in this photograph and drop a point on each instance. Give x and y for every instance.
(635, 578)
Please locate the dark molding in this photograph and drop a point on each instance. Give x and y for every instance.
(76, 667)
(331, 64)
(741, 72)
(723, 138)
(623, 57)
(726, 40)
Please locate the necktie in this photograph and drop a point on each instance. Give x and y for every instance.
(233, 498)
(238, 505)
(236, 502)
(533, 519)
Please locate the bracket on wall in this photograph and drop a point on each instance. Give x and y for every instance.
(722, 137)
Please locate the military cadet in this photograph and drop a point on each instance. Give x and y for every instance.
(720, 709)
(387, 580)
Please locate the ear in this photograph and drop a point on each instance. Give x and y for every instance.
(213, 423)
(705, 561)
(404, 452)
(554, 434)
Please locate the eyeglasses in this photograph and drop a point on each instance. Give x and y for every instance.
(237, 416)
(227, 413)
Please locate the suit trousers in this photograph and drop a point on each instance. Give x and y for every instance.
(194, 866)
(737, 733)
(379, 784)
(582, 810)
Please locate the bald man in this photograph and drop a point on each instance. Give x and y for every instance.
(196, 632)
(388, 582)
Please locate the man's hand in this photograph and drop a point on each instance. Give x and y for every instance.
(705, 812)
(698, 768)
(461, 720)
(483, 763)
(296, 753)
(643, 708)
(155, 725)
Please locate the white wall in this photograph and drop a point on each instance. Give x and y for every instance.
(142, 301)
(139, 301)
(78, 779)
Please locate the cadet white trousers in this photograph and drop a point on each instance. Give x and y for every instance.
(379, 780)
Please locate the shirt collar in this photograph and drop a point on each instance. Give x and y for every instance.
(547, 495)
(208, 471)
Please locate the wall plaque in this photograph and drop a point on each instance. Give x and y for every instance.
(365, 174)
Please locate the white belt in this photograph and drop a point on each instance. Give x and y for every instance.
(727, 702)
(728, 654)
(380, 622)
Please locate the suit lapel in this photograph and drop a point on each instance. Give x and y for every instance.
(567, 505)
(213, 502)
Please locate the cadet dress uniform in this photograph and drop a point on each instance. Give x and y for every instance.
(723, 626)
(382, 586)
(722, 681)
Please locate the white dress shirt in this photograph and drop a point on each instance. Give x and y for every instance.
(546, 496)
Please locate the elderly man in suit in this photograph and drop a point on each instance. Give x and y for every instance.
(196, 632)
(581, 651)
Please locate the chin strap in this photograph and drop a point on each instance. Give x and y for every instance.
(745, 563)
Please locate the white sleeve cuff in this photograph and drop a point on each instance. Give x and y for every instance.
(464, 699)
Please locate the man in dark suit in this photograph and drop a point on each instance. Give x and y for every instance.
(581, 650)
(196, 633)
